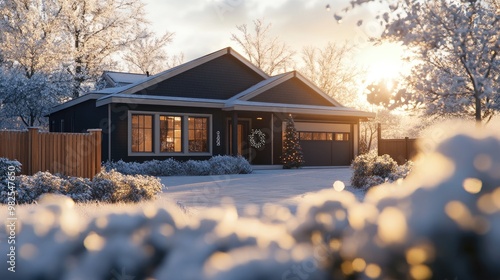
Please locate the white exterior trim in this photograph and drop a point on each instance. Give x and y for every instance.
(160, 100)
(298, 109)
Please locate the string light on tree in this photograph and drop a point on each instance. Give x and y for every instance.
(292, 151)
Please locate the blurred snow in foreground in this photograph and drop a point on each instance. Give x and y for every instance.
(442, 222)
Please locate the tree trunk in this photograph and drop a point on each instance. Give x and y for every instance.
(478, 110)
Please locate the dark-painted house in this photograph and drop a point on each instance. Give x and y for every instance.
(218, 104)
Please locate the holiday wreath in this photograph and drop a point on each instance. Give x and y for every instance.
(257, 138)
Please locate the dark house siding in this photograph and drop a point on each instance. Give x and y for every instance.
(220, 78)
(79, 118)
(293, 91)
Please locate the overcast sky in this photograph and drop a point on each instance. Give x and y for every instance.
(204, 26)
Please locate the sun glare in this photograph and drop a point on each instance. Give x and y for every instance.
(383, 62)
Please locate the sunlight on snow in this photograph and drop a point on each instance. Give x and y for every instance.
(472, 185)
(392, 226)
(339, 186)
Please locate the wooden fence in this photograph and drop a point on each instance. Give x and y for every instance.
(71, 154)
(401, 150)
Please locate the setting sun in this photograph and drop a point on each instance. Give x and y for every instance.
(382, 62)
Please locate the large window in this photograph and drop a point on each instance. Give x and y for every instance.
(142, 133)
(171, 134)
(198, 134)
(160, 133)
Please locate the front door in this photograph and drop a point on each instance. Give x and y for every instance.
(243, 142)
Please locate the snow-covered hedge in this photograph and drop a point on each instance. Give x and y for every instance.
(371, 170)
(441, 222)
(217, 165)
(106, 186)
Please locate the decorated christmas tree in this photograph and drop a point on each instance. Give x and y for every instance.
(292, 151)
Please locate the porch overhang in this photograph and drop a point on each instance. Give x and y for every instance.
(297, 109)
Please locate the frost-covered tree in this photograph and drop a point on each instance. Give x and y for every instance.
(149, 55)
(30, 38)
(26, 100)
(456, 45)
(332, 70)
(263, 49)
(94, 31)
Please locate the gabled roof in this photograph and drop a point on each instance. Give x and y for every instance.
(288, 92)
(160, 77)
(274, 81)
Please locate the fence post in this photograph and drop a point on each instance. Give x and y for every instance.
(379, 138)
(33, 151)
(407, 149)
(96, 145)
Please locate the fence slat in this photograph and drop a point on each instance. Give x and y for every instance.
(71, 154)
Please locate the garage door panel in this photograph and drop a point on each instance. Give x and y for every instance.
(340, 153)
(316, 153)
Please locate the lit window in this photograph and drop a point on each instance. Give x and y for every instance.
(198, 134)
(142, 133)
(305, 136)
(171, 134)
(341, 136)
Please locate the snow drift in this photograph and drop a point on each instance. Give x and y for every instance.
(441, 222)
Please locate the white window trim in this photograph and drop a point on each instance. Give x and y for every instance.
(156, 134)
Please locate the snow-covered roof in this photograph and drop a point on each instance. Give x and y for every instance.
(117, 79)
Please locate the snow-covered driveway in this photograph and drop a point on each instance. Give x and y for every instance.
(283, 187)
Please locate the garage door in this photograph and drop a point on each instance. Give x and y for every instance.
(325, 148)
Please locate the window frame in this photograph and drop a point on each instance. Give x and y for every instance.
(152, 134)
(157, 137)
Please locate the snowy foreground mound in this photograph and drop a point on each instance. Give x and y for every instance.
(442, 222)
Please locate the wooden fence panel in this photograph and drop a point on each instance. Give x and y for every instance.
(71, 154)
(401, 150)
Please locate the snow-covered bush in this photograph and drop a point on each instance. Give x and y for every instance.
(6, 167)
(217, 165)
(5, 164)
(370, 170)
(106, 186)
(115, 187)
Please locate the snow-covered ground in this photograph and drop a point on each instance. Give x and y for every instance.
(278, 186)
(441, 222)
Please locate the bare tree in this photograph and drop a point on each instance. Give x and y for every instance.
(262, 49)
(332, 70)
(149, 55)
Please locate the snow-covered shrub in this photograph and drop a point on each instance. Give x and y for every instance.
(370, 170)
(128, 168)
(5, 168)
(361, 167)
(115, 187)
(79, 189)
(196, 167)
(106, 186)
(217, 165)
(383, 166)
(5, 164)
(221, 165)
